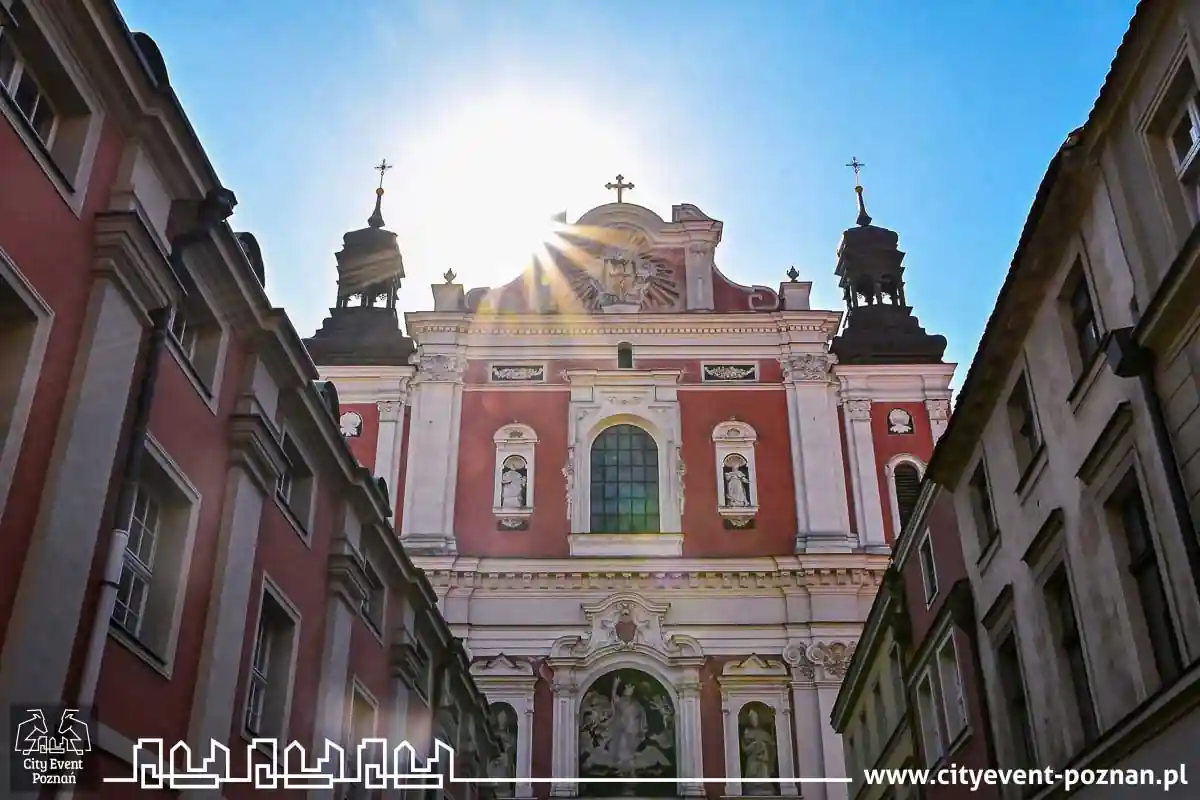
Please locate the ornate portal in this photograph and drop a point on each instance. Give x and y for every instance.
(627, 730)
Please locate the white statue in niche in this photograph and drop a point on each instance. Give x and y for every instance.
(737, 482)
(513, 480)
(758, 754)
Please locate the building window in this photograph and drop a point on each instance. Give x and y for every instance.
(928, 569)
(43, 100)
(624, 356)
(1081, 315)
(295, 486)
(624, 481)
(982, 508)
(1184, 134)
(1012, 687)
(1026, 438)
(270, 669)
(25, 322)
(19, 83)
(375, 601)
(1066, 631)
(185, 335)
(138, 568)
(198, 339)
(882, 729)
(954, 703)
(361, 727)
(900, 699)
(907, 481)
(1128, 506)
(931, 729)
(159, 525)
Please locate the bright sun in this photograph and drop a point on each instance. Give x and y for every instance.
(483, 182)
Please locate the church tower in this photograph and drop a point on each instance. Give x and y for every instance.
(880, 326)
(655, 503)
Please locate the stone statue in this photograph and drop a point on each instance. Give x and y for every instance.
(504, 763)
(512, 483)
(737, 483)
(626, 731)
(628, 727)
(758, 753)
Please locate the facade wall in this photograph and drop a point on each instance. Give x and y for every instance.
(233, 419)
(761, 605)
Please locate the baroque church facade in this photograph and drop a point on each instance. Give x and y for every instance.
(655, 504)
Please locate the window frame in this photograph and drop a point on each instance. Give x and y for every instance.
(167, 577)
(68, 160)
(929, 576)
(651, 481)
(1020, 734)
(1024, 427)
(983, 508)
(272, 600)
(933, 748)
(890, 468)
(377, 594)
(1070, 648)
(19, 72)
(300, 515)
(12, 436)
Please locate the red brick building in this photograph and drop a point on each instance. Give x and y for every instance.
(186, 541)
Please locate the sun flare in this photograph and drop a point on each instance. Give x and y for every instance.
(488, 176)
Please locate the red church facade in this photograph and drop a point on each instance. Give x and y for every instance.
(188, 548)
(624, 437)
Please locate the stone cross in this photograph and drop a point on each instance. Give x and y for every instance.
(620, 186)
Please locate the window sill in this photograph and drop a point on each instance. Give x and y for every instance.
(989, 553)
(261, 744)
(293, 520)
(376, 629)
(930, 599)
(198, 383)
(140, 650)
(1032, 472)
(667, 545)
(1086, 380)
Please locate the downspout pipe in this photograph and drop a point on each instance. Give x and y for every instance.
(213, 210)
(1128, 359)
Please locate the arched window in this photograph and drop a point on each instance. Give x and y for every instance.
(624, 356)
(624, 478)
(908, 486)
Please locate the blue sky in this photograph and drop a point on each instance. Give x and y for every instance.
(499, 114)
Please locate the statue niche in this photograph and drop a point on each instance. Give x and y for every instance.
(514, 477)
(759, 750)
(736, 477)
(504, 763)
(627, 730)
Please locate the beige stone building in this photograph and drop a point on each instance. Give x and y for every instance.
(1072, 453)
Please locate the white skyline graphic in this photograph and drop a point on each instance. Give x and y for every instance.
(155, 766)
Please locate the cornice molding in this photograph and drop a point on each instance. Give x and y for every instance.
(714, 579)
(576, 325)
(127, 250)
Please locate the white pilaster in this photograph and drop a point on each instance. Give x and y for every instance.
(389, 447)
(698, 266)
(939, 417)
(216, 701)
(691, 762)
(54, 582)
(864, 473)
(831, 742)
(564, 761)
(822, 516)
(432, 476)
